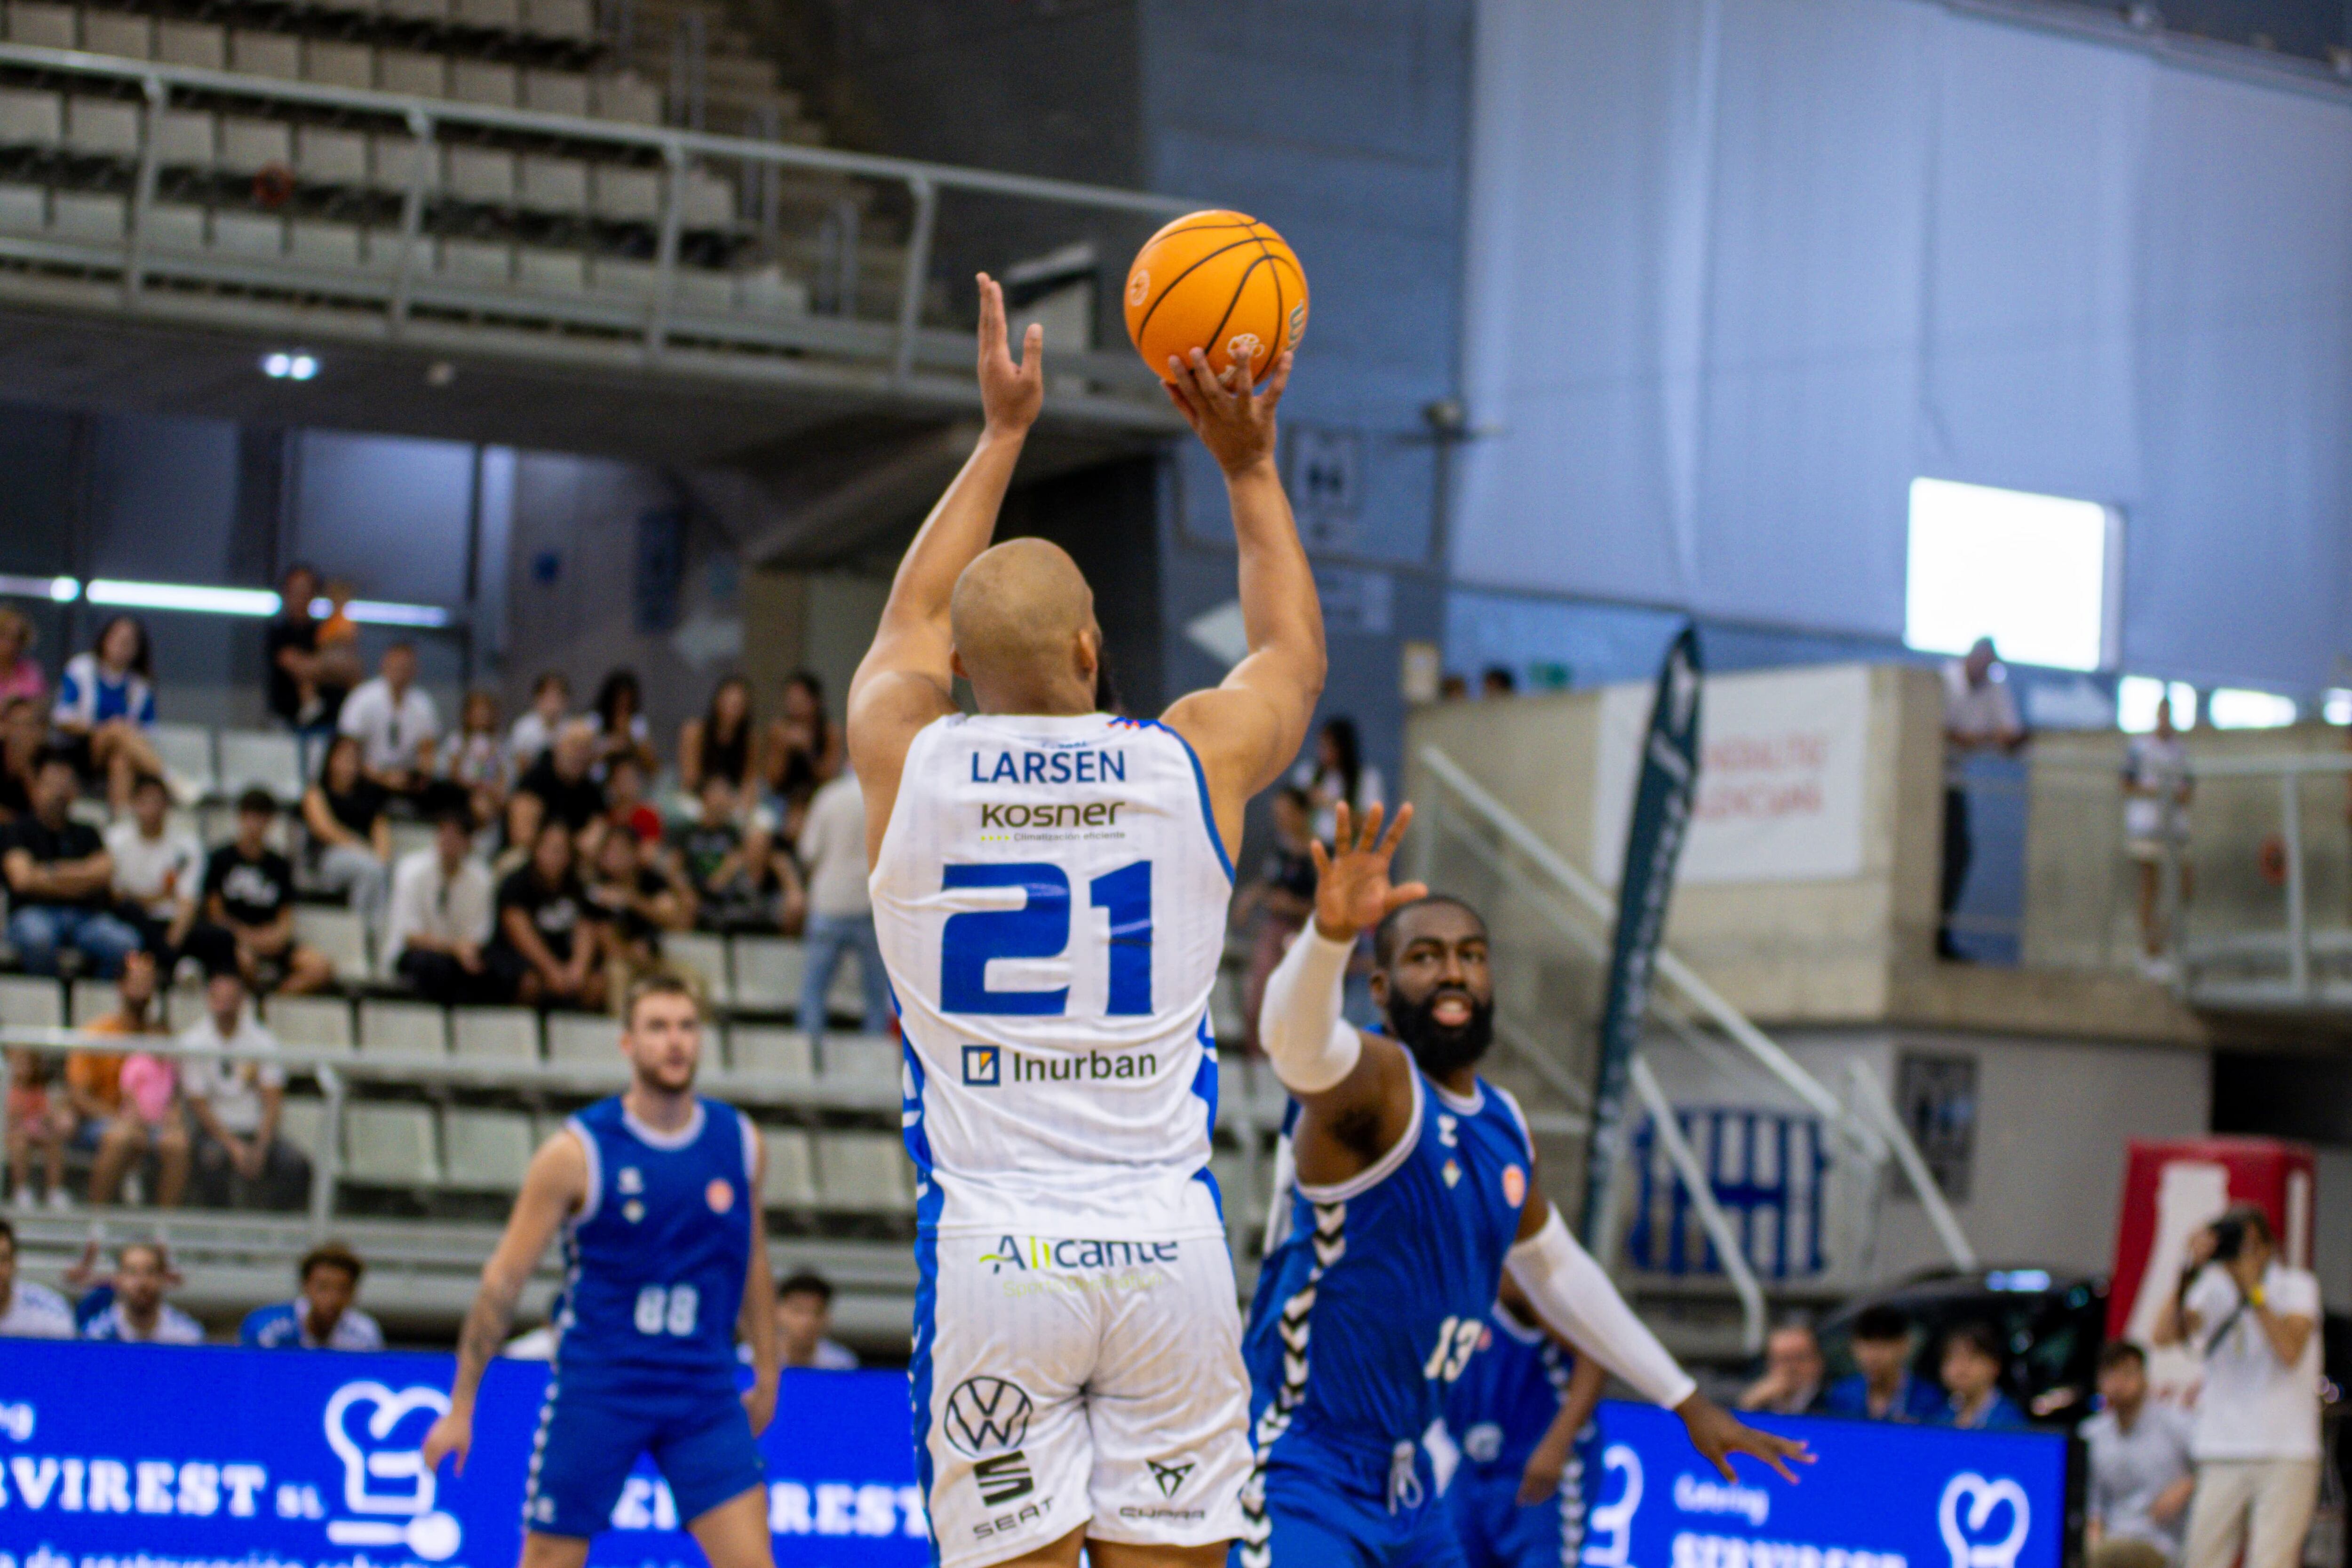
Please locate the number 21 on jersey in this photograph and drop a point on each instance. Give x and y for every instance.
(1040, 928)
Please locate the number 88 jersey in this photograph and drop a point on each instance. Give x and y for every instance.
(1050, 897)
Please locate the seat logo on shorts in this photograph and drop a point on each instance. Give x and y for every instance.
(1169, 1476)
(987, 1416)
(983, 1066)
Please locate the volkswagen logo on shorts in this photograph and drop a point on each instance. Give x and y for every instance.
(987, 1416)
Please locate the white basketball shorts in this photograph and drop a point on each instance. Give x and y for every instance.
(1061, 1381)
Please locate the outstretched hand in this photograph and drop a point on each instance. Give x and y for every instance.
(1009, 394)
(1717, 1434)
(1353, 890)
(1234, 421)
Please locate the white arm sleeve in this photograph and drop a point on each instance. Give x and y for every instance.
(1575, 1298)
(1311, 1046)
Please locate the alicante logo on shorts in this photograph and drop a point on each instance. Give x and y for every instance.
(1024, 1253)
(987, 1416)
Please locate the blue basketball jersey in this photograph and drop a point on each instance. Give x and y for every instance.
(1508, 1396)
(1375, 1301)
(655, 1257)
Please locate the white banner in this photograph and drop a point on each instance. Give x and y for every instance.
(1780, 777)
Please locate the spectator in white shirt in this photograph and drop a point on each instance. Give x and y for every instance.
(442, 910)
(2255, 1321)
(534, 732)
(2141, 1472)
(2156, 821)
(138, 1313)
(157, 871)
(396, 724)
(240, 1160)
(840, 915)
(1979, 715)
(322, 1317)
(28, 1311)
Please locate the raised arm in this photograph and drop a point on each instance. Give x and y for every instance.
(555, 1185)
(1247, 729)
(906, 681)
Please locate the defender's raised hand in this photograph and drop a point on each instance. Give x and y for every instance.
(1234, 421)
(1009, 394)
(1353, 890)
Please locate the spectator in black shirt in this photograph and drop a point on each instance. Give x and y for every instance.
(307, 687)
(637, 903)
(734, 874)
(249, 910)
(350, 838)
(60, 877)
(549, 944)
(561, 779)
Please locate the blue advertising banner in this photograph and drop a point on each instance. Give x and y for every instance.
(1879, 1496)
(157, 1456)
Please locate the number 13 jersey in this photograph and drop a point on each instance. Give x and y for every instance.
(1051, 900)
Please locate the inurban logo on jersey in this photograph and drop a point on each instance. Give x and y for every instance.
(1073, 766)
(983, 1066)
(1024, 1253)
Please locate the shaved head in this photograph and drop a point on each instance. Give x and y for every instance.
(1022, 621)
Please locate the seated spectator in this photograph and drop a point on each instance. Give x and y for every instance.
(476, 761)
(61, 879)
(518, 831)
(348, 835)
(106, 1097)
(442, 914)
(1883, 1390)
(240, 1161)
(636, 904)
(804, 1321)
(137, 1314)
(24, 732)
(20, 672)
(1793, 1372)
(617, 721)
(549, 948)
(534, 731)
(624, 801)
(840, 913)
(561, 780)
(309, 677)
(249, 910)
(719, 741)
(735, 873)
(1972, 1366)
(322, 1317)
(158, 871)
(396, 725)
(2141, 1473)
(28, 1311)
(804, 746)
(40, 1118)
(105, 708)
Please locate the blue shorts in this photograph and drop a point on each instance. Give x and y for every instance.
(1496, 1531)
(1322, 1509)
(587, 1444)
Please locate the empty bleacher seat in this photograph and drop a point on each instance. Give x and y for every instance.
(120, 33)
(767, 970)
(497, 1034)
(485, 1150)
(302, 1121)
(623, 96)
(29, 118)
(310, 1023)
(248, 146)
(555, 184)
(560, 18)
(187, 138)
(862, 1058)
(186, 752)
(326, 156)
(576, 1038)
(565, 271)
(867, 1171)
(23, 207)
(102, 125)
(482, 174)
(790, 1178)
(338, 933)
(184, 1006)
(336, 64)
(248, 234)
(88, 1000)
(31, 1002)
(626, 193)
(275, 54)
(77, 214)
(409, 1028)
(502, 15)
(263, 758)
(556, 93)
(43, 24)
(706, 955)
(490, 82)
(414, 72)
(391, 1145)
(317, 244)
(769, 1047)
(204, 44)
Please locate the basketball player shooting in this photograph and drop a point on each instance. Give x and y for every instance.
(1050, 885)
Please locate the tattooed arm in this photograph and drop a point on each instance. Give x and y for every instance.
(555, 1185)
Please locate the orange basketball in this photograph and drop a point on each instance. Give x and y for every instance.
(1219, 281)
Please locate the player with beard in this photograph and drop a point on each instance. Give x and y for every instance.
(657, 1192)
(1415, 1192)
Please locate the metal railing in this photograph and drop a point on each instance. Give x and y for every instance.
(2229, 962)
(671, 328)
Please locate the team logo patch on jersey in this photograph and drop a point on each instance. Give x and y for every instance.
(983, 1066)
(630, 1180)
(1169, 1476)
(1515, 1186)
(720, 1195)
(987, 1416)
(1452, 1172)
(633, 1211)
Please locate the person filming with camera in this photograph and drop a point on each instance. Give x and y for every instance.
(2254, 1322)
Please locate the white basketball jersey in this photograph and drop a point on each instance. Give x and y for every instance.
(1050, 897)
